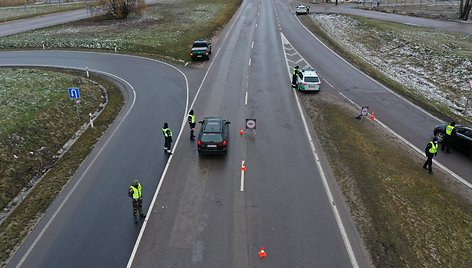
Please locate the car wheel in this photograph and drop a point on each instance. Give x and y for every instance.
(440, 136)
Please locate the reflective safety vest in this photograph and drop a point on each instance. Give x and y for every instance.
(434, 148)
(295, 71)
(449, 129)
(164, 130)
(136, 191)
(191, 118)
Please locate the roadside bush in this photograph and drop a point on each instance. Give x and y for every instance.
(120, 9)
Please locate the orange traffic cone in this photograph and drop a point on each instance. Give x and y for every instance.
(243, 167)
(372, 116)
(241, 132)
(262, 253)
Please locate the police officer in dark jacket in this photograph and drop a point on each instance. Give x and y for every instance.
(450, 131)
(431, 150)
(191, 121)
(167, 138)
(295, 74)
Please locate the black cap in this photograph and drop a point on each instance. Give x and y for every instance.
(165, 125)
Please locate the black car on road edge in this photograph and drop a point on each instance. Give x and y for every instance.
(461, 141)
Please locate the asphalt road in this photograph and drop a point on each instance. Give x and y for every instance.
(406, 119)
(201, 217)
(460, 27)
(90, 224)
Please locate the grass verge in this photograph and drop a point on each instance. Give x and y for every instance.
(408, 218)
(162, 30)
(36, 119)
(435, 107)
(15, 228)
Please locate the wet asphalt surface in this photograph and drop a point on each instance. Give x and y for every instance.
(202, 217)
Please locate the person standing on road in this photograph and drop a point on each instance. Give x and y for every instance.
(450, 131)
(295, 73)
(135, 192)
(431, 150)
(191, 121)
(167, 138)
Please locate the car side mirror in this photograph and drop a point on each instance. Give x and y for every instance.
(201, 122)
(227, 123)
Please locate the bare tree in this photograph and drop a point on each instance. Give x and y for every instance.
(120, 9)
(464, 9)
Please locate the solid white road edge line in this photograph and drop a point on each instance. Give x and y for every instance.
(143, 227)
(242, 177)
(84, 173)
(447, 170)
(342, 230)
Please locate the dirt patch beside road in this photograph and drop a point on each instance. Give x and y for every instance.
(408, 218)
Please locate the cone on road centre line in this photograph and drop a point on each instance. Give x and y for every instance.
(372, 116)
(243, 167)
(262, 253)
(241, 132)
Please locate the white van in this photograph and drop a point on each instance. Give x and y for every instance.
(309, 80)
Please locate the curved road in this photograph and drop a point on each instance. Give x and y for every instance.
(94, 226)
(203, 216)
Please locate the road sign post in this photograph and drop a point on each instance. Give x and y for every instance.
(74, 94)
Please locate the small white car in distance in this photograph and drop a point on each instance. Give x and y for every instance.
(301, 9)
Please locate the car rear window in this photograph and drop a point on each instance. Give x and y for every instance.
(312, 79)
(200, 44)
(211, 137)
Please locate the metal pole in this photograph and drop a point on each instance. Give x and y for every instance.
(77, 109)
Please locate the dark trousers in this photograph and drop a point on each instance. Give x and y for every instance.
(168, 144)
(137, 207)
(294, 79)
(446, 143)
(192, 129)
(429, 162)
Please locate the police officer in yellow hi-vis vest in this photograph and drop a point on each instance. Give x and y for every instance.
(431, 150)
(135, 192)
(191, 122)
(167, 138)
(450, 131)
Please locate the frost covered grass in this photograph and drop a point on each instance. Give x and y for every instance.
(429, 66)
(164, 29)
(407, 217)
(35, 131)
(36, 119)
(28, 11)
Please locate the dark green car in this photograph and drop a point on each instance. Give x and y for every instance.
(201, 49)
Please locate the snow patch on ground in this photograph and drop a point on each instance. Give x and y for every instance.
(427, 69)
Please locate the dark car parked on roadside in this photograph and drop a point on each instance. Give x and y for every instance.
(462, 141)
(213, 136)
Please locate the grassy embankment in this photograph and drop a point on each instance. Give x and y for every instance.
(163, 30)
(38, 118)
(408, 218)
(11, 10)
(453, 46)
